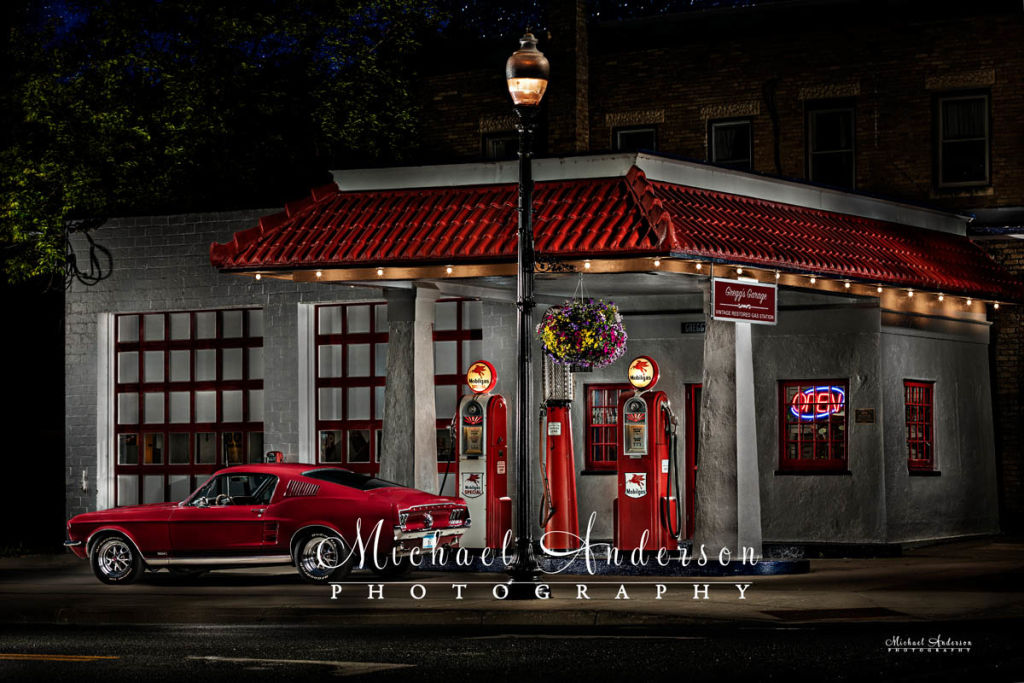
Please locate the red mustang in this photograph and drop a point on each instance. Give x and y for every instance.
(319, 518)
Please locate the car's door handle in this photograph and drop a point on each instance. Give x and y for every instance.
(259, 511)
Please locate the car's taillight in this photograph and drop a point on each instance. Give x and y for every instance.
(458, 517)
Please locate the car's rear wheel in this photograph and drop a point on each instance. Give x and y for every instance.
(322, 557)
(394, 570)
(115, 560)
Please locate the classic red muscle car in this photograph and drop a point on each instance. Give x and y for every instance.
(315, 517)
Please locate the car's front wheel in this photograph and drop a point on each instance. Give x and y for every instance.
(322, 557)
(115, 560)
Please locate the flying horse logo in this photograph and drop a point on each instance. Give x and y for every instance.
(472, 484)
(636, 484)
(480, 372)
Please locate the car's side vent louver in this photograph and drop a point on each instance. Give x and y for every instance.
(300, 488)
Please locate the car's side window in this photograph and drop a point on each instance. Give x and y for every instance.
(239, 488)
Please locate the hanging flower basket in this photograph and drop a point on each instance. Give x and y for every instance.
(583, 334)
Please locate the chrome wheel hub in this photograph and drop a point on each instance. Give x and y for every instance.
(115, 558)
(321, 556)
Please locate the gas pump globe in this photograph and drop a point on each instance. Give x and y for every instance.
(648, 476)
(482, 447)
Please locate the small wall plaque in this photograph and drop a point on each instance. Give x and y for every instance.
(865, 416)
(695, 327)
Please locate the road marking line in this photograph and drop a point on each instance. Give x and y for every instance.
(527, 636)
(53, 658)
(343, 668)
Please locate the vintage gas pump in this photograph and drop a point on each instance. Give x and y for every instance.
(559, 510)
(482, 447)
(648, 475)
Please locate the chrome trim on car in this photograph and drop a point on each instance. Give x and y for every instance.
(403, 535)
(212, 561)
(72, 544)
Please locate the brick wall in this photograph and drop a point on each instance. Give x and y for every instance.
(1007, 354)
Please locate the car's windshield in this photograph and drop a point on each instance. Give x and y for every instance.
(236, 488)
(354, 480)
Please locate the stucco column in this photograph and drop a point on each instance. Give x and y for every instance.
(748, 480)
(409, 447)
(716, 520)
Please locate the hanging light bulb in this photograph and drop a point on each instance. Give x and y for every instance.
(586, 264)
(969, 302)
(258, 276)
(700, 266)
(846, 284)
(879, 289)
(777, 275)
(380, 272)
(657, 263)
(941, 298)
(739, 271)
(910, 294)
(813, 279)
(319, 274)
(448, 270)
(996, 305)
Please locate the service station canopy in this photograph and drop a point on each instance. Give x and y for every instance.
(637, 213)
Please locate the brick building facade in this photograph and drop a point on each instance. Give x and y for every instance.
(768, 69)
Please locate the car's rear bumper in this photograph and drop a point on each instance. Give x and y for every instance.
(405, 541)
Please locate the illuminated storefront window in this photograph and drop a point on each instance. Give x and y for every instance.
(602, 428)
(813, 425)
(920, 434)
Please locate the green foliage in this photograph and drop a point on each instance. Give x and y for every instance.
(116, 107)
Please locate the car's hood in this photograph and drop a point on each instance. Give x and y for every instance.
(405, 497)
(128, 512)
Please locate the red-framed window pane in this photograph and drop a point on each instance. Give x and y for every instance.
(812, 425)
(351, 369)
(188, 399)
(602, 425)
(920, 425)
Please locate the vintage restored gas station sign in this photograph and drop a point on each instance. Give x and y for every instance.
(742, 301)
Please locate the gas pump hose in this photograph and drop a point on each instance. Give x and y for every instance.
(451, 453)
(673, 523)
(546, 510)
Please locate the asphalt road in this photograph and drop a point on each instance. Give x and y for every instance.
(837, 652)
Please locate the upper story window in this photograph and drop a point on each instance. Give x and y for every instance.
(963, 140)
(635, 138)
(500, 146)
(731, 144)
(189, 399)
(920, 433)
(812, 424)
(602, 425)
(830, 144)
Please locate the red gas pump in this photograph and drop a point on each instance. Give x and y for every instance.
(559, 511)
(482, 446)
(648, 476)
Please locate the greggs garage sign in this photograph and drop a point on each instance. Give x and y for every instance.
(742, 301)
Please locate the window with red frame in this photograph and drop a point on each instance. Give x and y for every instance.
(351, 372)
(920, 433)
(188, 399)
(813, 425)
(602, 426)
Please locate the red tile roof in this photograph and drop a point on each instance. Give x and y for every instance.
(620, 217)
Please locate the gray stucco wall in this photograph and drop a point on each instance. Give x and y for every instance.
(962, 499)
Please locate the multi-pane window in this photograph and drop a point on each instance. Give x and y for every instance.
(830, 149)
(635, 139)
(730, 144)
(813, 425)
(351, 372)
(920, 433)
(963, 142)
(188, 399)
(602, 425)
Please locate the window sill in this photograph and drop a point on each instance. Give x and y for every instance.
(924, 473)
(833, 473)
(588, 473)
(955, 191)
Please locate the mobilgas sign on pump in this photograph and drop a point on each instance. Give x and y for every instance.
(481, 443)
(648, 474)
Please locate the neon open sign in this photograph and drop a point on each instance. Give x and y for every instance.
(818, 403)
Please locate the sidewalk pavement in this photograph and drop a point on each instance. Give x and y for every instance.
(981, 579)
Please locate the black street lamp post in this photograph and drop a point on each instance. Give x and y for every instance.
(527, 74)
